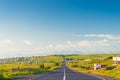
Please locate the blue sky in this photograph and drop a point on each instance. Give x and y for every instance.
(36, 27)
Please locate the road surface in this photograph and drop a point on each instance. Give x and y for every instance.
(63, 73)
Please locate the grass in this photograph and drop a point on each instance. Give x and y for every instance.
(40, 65)
(85, 63)
(29, 66)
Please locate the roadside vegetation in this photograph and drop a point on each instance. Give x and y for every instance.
(85, 63)
(28, 65)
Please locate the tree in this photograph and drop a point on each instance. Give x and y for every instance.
(42, 67)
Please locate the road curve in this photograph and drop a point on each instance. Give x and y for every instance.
(63, 73)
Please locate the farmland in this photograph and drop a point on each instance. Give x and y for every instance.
(85, 63)
(10, 67)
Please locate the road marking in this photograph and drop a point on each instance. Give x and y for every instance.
(31, 78)
(64, 77)
(96, 76)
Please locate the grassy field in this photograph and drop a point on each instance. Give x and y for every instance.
(85, 63)
(29, 65)
(38, 65)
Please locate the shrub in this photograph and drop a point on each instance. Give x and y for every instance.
(42, 67)
(48, 67)
(85, 67)
(75, 65)
(110, 67)
(1, 77)
(110, 57)
(56, 64)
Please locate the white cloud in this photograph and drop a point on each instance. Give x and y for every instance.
(59, 46)
(83, 46)
(108, 36)
(6, 42)
(69, 42)
(84, 43)
(95, 44)
(98, 35)
(50, 46)
(27, 42)
(115, 37)
(105, 40)
(91, 44)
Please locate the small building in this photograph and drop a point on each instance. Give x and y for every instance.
(97, 66)
(116, 60)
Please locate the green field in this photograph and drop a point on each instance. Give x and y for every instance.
(42, 64)
(28, 66)
(85, 63)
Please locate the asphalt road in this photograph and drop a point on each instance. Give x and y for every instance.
(63, 73)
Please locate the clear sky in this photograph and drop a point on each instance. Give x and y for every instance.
(39, 27)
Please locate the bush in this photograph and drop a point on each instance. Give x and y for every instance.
(110, 57)
(75, 65)
(42, 67)
(56, 64)
(85, 67)
(110, 67)
(48, 67)
(1, 77)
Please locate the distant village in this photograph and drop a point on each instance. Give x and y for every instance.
(25, 60)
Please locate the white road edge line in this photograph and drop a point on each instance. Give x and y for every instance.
(96, 77)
